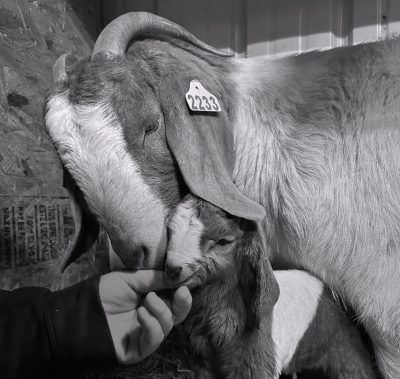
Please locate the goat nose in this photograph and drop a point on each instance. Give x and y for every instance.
(173, 272)
(131, 257)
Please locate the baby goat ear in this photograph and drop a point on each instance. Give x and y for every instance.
(257, 284)
(202, 144)
(85, 222)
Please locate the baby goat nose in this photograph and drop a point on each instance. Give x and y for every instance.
(172, 272)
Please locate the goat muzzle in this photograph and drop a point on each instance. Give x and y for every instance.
(132, 257)
(172, 272)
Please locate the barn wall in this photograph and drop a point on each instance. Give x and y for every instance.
(278, 27)
(220, 23)
(274, 27)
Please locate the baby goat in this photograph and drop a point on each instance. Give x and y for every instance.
(238, 326)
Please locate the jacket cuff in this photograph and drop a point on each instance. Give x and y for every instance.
(77, 325)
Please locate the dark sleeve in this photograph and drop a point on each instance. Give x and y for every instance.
(40, 329)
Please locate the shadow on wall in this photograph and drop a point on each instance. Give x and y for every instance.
(90, 13)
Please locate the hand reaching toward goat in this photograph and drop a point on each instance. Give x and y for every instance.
(139, 320)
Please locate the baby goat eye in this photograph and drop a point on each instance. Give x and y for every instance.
(226, 241)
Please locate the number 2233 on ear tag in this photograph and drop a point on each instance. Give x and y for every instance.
(200, 100)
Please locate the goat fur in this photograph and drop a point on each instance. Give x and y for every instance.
(318, 134)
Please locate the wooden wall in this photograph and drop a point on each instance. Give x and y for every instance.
(36, 220)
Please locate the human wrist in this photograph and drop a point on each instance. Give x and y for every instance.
(77, 326)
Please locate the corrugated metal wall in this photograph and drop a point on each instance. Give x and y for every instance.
(273, 27)
(291, 26)
(220, 23)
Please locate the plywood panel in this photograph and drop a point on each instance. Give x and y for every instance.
(36, 220)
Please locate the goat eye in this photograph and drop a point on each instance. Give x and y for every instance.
(151, 126)
(226, 241)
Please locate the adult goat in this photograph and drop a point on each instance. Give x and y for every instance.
(308, 145)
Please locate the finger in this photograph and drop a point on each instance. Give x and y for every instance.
(160, 311)
(144, 281)
(151, 334)
(181, 304)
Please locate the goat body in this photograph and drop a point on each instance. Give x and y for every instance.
(319, 136)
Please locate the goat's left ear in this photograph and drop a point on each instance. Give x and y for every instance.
(257, 284)
(202, 144)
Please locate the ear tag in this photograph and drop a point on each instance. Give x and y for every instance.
(200, 100)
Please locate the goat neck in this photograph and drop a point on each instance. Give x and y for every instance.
(216, 329)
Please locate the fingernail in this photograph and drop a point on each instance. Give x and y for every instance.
(150, 295)
(185, 291)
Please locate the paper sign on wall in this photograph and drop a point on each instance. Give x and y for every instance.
(200, 100)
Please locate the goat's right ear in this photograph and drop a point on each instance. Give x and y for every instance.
(257, 284)
(85, 222)
(62, 67)
(203, 146)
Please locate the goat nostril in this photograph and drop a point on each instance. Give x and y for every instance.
(132, 258)
(139, 254)
(173, 272)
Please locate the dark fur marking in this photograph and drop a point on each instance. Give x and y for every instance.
(333, 342)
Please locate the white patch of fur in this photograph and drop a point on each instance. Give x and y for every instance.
(184, 240)
(387, 356)
(90, 143)
(295, 309)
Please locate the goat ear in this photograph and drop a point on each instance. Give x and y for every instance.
(257, 284)
(85, 222)
(202, 144)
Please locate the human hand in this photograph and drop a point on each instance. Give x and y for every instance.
(138, 319)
